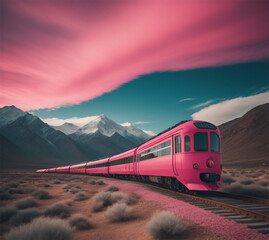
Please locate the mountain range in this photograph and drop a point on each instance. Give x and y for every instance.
(26, 141)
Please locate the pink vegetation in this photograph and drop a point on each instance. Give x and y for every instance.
(213, 222)
(58, 52)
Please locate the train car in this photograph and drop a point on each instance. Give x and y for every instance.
(187, 155)
(41, 170)
(78, 168)
(123, 163)
(99, 167)
(52, 170)
(65, 169)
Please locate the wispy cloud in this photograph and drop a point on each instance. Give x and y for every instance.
(66, 65)
(187, 99)
(230, 109)
(202, 104)
(141, 122)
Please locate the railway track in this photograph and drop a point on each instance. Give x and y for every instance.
(253, 212)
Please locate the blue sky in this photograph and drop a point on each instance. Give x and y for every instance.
(163, 99)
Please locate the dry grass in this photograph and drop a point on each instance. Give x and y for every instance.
(26, 203)
(41, 194)
(42, 229)
(92, 182)
(56, 182)
(111, 188)
(5, 196)
(80, 222)
(24, 216)
(80, 196)
(120, 212)
(6, 213)
(57, 210)
(252, 182)
(100, 183)
(165, 225)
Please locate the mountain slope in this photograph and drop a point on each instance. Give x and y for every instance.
(245, 140)
(100, 145)
(67, 128)
(10, 114)
(39, 142)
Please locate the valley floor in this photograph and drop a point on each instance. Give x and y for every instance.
(79, 195)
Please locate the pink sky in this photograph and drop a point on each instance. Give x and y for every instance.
(56, 53)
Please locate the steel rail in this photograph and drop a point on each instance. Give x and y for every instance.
(242, 211)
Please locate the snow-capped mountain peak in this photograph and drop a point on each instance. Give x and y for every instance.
(67, 128)
(104, 126)
(134, 130)
(9, 114)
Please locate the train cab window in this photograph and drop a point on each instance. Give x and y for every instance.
(214, 142)
(200, 142)
(187, 145)
(177, 144)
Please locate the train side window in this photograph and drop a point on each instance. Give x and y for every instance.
(187, 145)
(177, 144)
(214, 142)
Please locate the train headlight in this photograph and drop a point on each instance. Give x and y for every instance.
(209, 163)
(195, 166)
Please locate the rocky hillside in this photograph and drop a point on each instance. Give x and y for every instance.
(245, 140)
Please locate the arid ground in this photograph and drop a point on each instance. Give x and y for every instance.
(25, 196)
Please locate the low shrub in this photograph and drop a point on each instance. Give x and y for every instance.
(15, 191)
(13, 185)
(42, 229)
(80, 196)
(57, 210)
(97, 206)
(105, 198)
(56, 182)
(92, 182)
(119, 212)
(100, 183)
(5, 196)
(123, 197)
(26, 203)
(80, 222)
(263, 183)
(6, 213)
(165, 225)
(250, 190)
(41, 194)
(24, 216)
(111, 188)
(73, 191)
(226, 178)
(246, 181)
(46, 185)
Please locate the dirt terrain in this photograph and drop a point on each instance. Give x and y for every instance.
(64, 189)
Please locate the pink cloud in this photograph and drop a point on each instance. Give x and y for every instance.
(55, 53)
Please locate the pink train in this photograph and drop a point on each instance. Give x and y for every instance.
(184, 157)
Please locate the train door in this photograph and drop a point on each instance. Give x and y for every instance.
(177, 156)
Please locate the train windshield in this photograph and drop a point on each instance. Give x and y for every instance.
(200, 142)
(214, 142)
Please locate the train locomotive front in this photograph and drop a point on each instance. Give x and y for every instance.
(197, 156)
